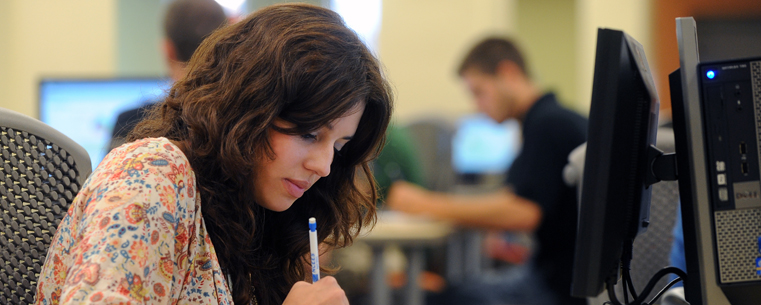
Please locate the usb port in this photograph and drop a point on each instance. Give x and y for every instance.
(744, 168)
(743, 148)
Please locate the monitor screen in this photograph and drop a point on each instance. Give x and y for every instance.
(615, 197)
(86, 109)
(482, 146)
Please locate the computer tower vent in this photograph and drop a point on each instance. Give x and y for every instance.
(737, 234)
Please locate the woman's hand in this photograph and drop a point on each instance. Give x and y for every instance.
(325, 292)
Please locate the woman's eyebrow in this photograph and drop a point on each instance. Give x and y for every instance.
(347, 138)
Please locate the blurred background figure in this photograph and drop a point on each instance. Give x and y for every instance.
(186, 24)
(399, 160)
(535, 198)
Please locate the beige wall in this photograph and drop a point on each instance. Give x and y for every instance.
(4, 49)
(52, 38)
(421, 43)
(631, 16)
(546, 33)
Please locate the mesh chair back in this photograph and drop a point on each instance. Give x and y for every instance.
(652, 249)
(41, 171)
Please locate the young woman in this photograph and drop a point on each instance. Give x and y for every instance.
(275, 122)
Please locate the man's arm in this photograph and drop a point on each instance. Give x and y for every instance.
(501, 209)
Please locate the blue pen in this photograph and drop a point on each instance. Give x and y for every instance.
(314, 250)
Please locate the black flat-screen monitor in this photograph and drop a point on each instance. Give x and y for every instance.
(86, 109)
(615, 197)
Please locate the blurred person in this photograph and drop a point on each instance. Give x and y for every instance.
(276, 121)
(535, 199)
(186, 24)
(398, 160)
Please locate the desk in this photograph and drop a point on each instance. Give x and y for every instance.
(413, 234)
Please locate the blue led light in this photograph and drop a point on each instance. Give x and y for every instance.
(710, 74)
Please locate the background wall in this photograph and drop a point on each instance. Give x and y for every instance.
(631, 16)
(4, 49)
(420, 43)
(547, 31)
(52, 38)
(139, 33)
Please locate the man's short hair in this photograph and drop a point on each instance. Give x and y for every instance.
(487, 55)
(188, 22)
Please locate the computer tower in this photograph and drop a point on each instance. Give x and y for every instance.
(730, 94)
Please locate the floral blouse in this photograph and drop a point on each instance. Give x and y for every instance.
(135, 235)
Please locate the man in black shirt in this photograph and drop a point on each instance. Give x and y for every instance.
(186, 24)
(534, 198)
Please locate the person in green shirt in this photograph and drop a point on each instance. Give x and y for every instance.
(399, 160)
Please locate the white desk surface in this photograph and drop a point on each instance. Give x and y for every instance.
(403, 228)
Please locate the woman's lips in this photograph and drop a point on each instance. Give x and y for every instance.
(295, 188)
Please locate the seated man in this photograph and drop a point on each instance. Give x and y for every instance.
(535, 198)
(186, 24)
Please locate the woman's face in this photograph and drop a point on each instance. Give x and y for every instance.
(300, 160)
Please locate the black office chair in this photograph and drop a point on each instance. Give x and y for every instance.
(41, 171)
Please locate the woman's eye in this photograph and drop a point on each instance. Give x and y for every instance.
(339, 146)
(309, 136)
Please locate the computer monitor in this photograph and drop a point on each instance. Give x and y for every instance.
(86, 109)
(615, 197)
(481, 146)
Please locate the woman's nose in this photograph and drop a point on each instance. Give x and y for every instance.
(320, 160)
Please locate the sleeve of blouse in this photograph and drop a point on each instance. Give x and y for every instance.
(133, 236)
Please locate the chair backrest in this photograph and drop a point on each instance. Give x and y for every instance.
(652, 248)
(41, 171)
(433, 139)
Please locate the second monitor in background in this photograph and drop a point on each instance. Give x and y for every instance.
(86, 109)
(481, 147)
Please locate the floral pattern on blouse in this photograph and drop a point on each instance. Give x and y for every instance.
(135, 235)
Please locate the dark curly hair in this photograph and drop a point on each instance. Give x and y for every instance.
(295, 62)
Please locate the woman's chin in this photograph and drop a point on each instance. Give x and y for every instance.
(280, 206)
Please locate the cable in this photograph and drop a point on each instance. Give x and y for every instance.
(629, 283)
(654, 280)
(660, 293)
(626, 260)
(611, 292)
(648, 288)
